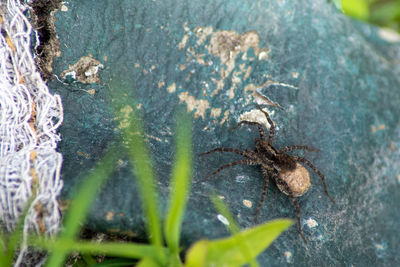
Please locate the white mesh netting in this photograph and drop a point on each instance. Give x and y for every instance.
(29, 118)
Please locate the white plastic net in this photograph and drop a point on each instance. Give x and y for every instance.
(29, 118)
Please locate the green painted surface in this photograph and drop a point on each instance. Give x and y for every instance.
(335, 79)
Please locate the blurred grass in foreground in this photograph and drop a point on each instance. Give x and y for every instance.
(383, 13)
(163, 248)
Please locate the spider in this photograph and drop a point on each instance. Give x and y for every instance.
(291, 177)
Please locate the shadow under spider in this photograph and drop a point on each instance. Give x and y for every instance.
(291, 177)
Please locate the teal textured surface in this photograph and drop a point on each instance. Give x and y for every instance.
(335, 79)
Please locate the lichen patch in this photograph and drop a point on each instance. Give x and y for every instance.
(236, 54)
(199, 105)
(182, 43)
(202, 33)
(215, 112)
(256, 115)
(85, 70)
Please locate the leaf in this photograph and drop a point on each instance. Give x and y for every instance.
(180, 181)
(196, 256)
(147, 262)
(228, 253)
(356, 8)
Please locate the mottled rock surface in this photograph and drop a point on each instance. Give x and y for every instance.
(327, 81)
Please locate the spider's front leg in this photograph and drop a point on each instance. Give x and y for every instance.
(290, 148)
(271, 126)
(238, 162)
(247, 153)
(260, 128)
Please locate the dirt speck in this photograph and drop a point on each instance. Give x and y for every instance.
(171, 88)
(110, 215)
(311, 223)
(247, 203)
(288, 256)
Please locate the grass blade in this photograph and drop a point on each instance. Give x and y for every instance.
(11, 241)
(224, 211)
(180, 183)
(234, 229)
(133, 137)
(118, 262)
(125, 250)
(81, 203)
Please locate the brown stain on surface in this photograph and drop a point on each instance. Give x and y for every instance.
(85, 70)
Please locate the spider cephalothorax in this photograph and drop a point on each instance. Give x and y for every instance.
(289, 175)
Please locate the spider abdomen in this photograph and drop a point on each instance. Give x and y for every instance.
(298, 181)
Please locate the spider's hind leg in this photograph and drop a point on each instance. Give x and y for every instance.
(295, 203)
(266, 181)
(309, 164)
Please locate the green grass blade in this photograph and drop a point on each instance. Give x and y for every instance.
(13, 241)
(180, 183)
(226, 251)
(81, 203)
(125, 250)
(224, 211)
(3, 248)
(115, 263)
(234, 229)
(133, 137)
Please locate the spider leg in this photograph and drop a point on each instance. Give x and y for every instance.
(307, 162)
(260, 128)
(295, 203)
(238, 162)
(271, 128)
(247, 153)
(297, 206)
(290, 148)
(266, 181)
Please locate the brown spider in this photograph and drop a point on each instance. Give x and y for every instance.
(289, 175)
